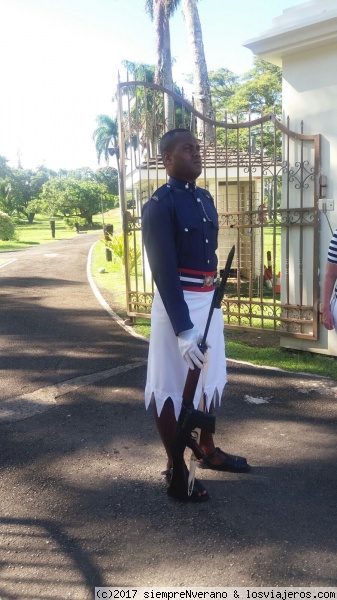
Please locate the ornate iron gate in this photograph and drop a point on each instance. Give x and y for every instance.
(264, 179)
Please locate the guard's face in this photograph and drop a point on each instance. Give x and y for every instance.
(184, 161)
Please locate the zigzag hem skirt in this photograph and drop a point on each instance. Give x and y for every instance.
(167, 370)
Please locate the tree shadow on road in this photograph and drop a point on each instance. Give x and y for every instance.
(45, 560)
(94, 463)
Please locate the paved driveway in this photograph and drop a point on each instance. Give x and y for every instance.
(83, 502)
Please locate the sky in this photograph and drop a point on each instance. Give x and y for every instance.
(61, 58)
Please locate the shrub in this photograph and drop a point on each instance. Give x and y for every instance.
(70, 222)
(116, 244)
(7, 228)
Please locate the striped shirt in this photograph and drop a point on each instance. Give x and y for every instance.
(332, 252)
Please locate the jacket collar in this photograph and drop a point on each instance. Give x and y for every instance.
(180, 184)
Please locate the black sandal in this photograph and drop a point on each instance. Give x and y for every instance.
(232, 463)
(197, 492)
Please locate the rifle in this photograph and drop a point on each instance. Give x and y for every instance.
(190, 418)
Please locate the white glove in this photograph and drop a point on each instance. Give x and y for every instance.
(188, 346)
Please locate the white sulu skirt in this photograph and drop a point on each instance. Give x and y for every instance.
(167, 370)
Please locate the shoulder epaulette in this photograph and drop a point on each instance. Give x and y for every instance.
(206, 193)
(161, 192)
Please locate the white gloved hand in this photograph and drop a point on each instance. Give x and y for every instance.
(188, 346)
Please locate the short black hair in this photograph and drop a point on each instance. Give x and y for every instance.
(167, 142)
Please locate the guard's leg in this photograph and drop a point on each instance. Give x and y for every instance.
(166, 425)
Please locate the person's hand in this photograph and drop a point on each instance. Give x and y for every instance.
(327, 319)
(188, 346)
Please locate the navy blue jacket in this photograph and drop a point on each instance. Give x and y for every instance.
(180, 231)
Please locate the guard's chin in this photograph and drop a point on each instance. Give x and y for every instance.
(197, 170)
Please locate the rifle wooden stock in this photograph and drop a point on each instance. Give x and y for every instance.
(190, 418)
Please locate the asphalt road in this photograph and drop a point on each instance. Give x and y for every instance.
(83, 503)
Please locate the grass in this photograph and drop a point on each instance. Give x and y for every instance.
(111, 281)
(271, 234)
(112, 218)
(282, 358)
(37, 233)
(40, 232)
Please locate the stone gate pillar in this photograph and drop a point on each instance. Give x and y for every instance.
(303, 42)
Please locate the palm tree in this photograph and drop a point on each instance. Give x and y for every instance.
(139, 71)
(139, 124)
(106, 142)
(146, 116)
(160, 12)
(202, 91)
(106, 138)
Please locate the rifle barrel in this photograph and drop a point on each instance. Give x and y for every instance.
(219, 293)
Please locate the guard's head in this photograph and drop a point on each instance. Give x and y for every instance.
(180, 152)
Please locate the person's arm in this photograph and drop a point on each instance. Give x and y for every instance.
(328, 288)
(159, 240)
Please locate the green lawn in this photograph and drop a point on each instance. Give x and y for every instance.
(37, 233)
(40, 231)
(282, 358)
(109, 275)
(272, 243)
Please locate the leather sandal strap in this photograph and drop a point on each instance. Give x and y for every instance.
(215, 453)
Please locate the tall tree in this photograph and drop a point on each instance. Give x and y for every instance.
(4, 168)
(23, 190)
(106, 138)
(109, 177)
(223, 84)
(140, 71)
(202, 92)
(20, 187)
(141, 128)
(73, 198)
(160, 12)
(106, 141)
(260, 90)
(257, 91)
(6, 204)
(5, 186)
(146, 114)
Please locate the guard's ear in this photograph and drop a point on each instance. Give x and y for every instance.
(167, 158)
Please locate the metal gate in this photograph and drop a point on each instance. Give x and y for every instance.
(264, 179)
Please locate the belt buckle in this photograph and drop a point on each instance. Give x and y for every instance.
(208, 280)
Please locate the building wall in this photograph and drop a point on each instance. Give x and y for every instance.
(310, 95)
(303, 41)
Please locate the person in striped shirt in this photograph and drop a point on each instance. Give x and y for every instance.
(329, 304)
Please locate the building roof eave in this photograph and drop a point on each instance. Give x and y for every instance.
(293, 38)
